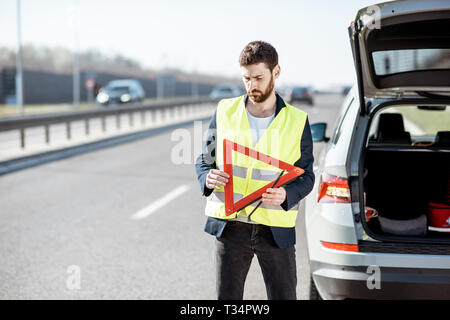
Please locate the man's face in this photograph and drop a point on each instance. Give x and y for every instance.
(259, 81)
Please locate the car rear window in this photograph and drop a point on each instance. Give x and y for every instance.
(425, 121)
(119, 89)
(396, 61)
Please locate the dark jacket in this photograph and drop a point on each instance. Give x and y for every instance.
(296, 190)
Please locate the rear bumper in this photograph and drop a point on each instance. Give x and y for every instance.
(361, 282)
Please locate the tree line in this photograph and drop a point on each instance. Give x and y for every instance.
(60, 60)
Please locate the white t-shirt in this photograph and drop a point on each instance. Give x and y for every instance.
(258, 126)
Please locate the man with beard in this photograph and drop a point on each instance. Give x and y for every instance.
(262, 121)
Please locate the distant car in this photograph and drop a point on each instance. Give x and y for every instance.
(300, 94)
(225, 91)
(121, 91)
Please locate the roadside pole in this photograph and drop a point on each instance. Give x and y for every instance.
(19, 71)
(74, 22)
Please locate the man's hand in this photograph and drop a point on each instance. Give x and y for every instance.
(274, 196)
(216, 178)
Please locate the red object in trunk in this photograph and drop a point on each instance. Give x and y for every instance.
(439, 215)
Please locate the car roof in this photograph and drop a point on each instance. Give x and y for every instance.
(301, 87)
(122, 82)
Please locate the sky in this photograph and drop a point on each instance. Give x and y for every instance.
(204, 36)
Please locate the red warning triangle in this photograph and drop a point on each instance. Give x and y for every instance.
(228, 147)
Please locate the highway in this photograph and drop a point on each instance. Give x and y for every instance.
(124, 222)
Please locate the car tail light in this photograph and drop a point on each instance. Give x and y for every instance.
(340, 246)
(333, 189)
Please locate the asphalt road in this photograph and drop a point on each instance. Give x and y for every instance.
(121, 223)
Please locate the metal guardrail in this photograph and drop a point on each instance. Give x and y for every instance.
(45, 120)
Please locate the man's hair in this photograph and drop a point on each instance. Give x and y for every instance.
(257, 52)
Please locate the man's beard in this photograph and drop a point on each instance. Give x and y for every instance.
(258, 96)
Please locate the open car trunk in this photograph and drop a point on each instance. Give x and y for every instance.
(400, 184)
(401, 52)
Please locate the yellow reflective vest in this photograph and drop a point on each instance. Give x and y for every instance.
(281, 140)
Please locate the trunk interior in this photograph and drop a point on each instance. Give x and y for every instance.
(401, 184)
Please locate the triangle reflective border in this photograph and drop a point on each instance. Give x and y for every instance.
(228, 147)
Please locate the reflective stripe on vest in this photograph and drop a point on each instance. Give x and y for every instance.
(281, 140)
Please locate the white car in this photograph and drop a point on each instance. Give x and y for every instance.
(378, 219)
(225, 91)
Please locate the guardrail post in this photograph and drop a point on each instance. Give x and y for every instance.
(86, 127)
(22, 138)
(118, 121)
(103, 124)
(130, 115)
(47, 134)
(69, 135)
(142, 118)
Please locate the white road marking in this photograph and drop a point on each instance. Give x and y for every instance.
(145, 212)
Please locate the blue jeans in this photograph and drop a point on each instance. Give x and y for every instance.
(235, 249)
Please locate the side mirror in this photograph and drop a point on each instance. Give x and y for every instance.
(318, 132)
